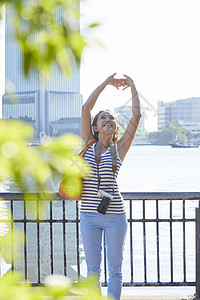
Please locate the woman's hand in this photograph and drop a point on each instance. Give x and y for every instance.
(128, 81)
(124, 82)
(114, 81)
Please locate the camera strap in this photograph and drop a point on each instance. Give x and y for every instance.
(98, 160)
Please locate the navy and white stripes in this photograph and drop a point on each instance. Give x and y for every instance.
(90, 200)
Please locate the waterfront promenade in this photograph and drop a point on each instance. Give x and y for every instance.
(141, 298)
(153, 298)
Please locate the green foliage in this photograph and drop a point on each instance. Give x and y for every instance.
(60, 157)
(12, 239)
(11, 288)
(168, 133)
(44, 41)
(56, 287)
(18, 161)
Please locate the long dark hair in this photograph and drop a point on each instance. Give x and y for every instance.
(94, 123)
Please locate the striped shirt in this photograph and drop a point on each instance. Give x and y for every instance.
(90, 200)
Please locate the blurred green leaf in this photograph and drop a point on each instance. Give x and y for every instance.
(60, 156)
(45, 40)
(92, 291)
(94, 25)
(62, 145)
(57, 287)
(13, 287)
(23, 164)
(4, 215)
(11, 244)
(45, 43)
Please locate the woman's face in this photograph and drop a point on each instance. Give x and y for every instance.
(106, 123)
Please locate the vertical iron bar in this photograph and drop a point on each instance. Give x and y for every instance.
(38, 239)
(77, 240)
(171, 244)
(64, 240)
(197, 253)
(105, 265)
(51, 237)
(184, 244)
(25, 247)
(144, 243)
(158, 243)
(12, 243)
(131, 240)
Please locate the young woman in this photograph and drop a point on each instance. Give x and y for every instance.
(92, 223)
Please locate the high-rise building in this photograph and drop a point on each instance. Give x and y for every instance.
(53, 108)
(186, 112)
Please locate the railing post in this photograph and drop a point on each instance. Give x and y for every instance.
(197, 253)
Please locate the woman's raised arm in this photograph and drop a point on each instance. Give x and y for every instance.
(86, 119)
(125, 141)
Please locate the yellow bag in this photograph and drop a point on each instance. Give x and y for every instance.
(63, 189)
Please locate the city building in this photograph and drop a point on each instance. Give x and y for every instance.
(186, 112)
(124, 114)
(52, 108)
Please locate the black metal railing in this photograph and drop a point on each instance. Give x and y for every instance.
(162, 246)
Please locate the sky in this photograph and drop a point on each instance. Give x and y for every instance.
(155, 42)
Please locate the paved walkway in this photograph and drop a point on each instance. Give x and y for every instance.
(136, 298)
(154, 298)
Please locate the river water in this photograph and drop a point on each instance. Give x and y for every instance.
(157, 169)
(160, 169)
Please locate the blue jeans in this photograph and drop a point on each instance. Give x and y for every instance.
(115, 227)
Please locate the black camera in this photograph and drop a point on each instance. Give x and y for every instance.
(105, 202)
